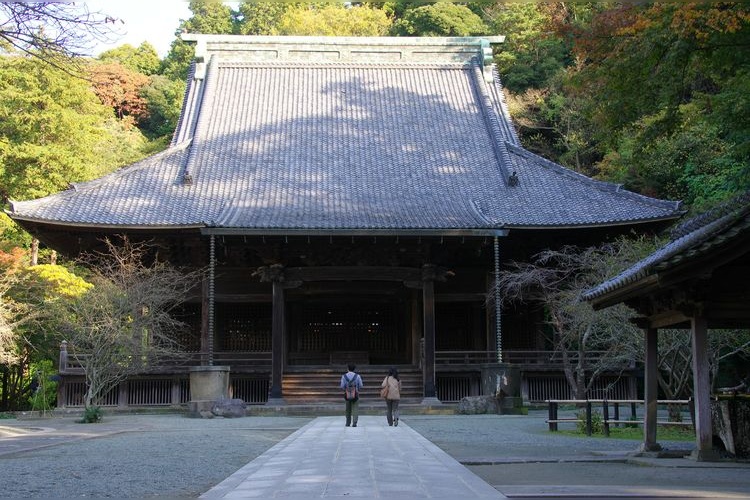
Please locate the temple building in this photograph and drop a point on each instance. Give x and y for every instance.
(352, 200)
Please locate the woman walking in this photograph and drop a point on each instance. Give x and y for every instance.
(392, 396)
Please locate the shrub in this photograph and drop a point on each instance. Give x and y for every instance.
(597, 422)
(91, 415)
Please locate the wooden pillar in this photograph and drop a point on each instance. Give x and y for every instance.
(651, 387)
(277, 342)
(702, 390)
(416, 351)
(430, 273)
(275, 274)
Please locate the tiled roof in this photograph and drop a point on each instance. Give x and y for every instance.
(692, 239)
(422, 141)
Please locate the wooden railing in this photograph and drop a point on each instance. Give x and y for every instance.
(553, 408)
(515, 356)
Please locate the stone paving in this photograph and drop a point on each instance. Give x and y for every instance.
(325, 459)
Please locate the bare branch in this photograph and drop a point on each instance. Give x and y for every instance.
(56, 32)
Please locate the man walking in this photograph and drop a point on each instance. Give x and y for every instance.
(351, 383)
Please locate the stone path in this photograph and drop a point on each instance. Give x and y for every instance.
(325, 459)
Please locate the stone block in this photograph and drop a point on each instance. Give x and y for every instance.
(476, 405)
(229, 408)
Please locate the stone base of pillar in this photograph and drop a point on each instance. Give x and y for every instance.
(276, 402)
(431, 402)
(201, 409)
(649, 447)
(705, 455)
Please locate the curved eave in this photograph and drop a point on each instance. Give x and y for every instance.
(596, 225)
(632, 289)
(225, 231)
(47, 222)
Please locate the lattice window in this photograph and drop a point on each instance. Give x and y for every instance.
(454, 326)
(325, 327)
(243, 327)
(190, 337)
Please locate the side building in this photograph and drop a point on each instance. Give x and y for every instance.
(352, 200)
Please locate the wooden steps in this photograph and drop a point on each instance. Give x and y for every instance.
(321, 385)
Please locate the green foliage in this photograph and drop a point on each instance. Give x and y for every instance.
(48, 128)
(440, 19)
(261, 18)
(144, 59)
(91, 415)
(597, 422)
(163, 103)
(209, 17)
(334, 20)
(46, 282)
(531, 55)
(52, 131)
(44, 397)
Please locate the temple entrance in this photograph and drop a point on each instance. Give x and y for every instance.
(365, 331)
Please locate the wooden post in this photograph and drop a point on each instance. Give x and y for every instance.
(553, 416)
(617, 414)
(605, 417)
(588, 418)
(650, 392)
(428, 310)
(277, 342)
(702, 390)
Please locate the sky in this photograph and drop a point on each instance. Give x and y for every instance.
(154, 21)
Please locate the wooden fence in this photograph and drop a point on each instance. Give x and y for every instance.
(553, 408)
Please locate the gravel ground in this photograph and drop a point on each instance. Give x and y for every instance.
(166, 456)
(171, 456)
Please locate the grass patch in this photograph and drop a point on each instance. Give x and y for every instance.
(663, 433)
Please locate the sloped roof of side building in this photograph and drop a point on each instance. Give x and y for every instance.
(336, 134)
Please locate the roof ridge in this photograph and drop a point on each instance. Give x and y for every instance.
(737, 206)
(184, 122)
(343, 64)
(492, 121)
(202, 116)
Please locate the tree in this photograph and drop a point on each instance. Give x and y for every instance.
(124, 324)
(120, 88)
(440, 19)
(334, 20)
(163, 105)
(49, 124)
(531, 53)
(144, 59)
(589, 343)
(261, 18)
(56, 32)
(209, 17)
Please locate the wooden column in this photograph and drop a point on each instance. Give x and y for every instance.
(276, 274)
(428, 318)
(702, 390)
(651, 387)
(277, 342)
